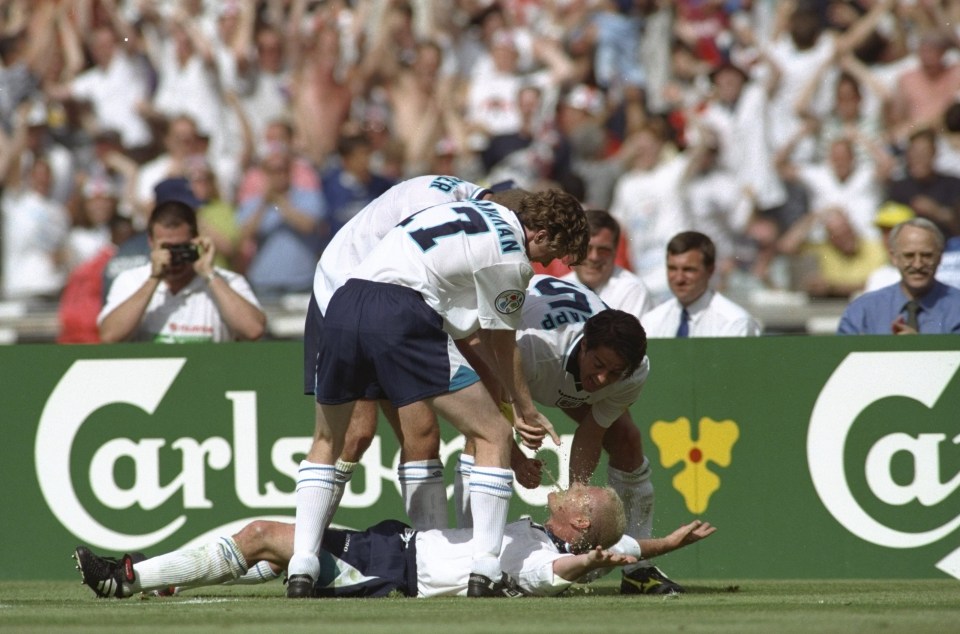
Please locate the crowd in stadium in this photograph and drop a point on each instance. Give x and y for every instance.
(795, 134)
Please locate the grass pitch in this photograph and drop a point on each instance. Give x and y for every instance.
(747, 607)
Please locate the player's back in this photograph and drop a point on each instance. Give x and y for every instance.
(360, 235)
(555, 305)
(462, 257)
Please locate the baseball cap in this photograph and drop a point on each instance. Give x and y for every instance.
(891, 214)
(177, 188)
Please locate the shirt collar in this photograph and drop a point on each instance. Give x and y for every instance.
(699, 305)
(561, 545)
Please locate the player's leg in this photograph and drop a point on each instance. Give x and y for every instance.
(360, 433)
(461, 485)
(474, 414)
(315, 495)
(421, 470)
(628, 473)
(221, 560)
(344, 375)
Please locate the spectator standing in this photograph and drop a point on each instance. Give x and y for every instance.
(647, 203)
(351, 185)
(35, 228)
(181, 142)
(284, 227)
(931, 194)
(115, 87)
(924, 93)
(888, 216)
(83, 294)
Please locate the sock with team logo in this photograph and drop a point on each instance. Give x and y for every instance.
(424, 494)
(315, 508)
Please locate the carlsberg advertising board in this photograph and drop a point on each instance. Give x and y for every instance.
(816, 457)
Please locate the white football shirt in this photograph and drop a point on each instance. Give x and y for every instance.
(553, 317)
(527, 554)
(467, 259)
(357, 238)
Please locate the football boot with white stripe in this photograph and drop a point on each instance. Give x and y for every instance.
(106, 576)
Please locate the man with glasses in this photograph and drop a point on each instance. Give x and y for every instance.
(918, 303)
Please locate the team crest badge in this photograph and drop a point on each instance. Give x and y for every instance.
(509, 301)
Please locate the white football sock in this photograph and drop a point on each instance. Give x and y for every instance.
(343, 473)
(461, 491)
(424, 494)
(315, 492)
(206, 565)
(490, 492)
(261, 573)
(636, 491)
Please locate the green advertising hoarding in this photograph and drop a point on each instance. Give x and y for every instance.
(816, 457)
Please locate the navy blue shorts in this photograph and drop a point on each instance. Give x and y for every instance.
(384, 341)
(312, 340)
(385, 556)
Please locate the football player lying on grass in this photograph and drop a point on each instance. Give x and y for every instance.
(390, 557)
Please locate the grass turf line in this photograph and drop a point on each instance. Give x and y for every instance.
(748, 607)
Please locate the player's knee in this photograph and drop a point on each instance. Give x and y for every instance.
(355, 446)
(623, 440)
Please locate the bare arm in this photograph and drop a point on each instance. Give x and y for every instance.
(573, 567)
(587, 444)
(120, 324)
(245, 321)
(860, 30)
(300, 221)
(502, 347)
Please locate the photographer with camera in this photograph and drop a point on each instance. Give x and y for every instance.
(180, 296)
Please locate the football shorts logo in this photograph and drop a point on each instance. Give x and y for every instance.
(509, 302)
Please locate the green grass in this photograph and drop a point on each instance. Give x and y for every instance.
(746, 607)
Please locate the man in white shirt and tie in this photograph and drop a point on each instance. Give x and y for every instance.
(696, 310)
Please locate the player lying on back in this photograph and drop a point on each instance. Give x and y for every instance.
(540, 560)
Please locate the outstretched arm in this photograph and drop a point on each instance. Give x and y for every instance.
(573, 567)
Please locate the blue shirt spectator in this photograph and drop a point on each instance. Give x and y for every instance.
(351, 185)
(285, 225)
(874, 313)
(918, 303)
